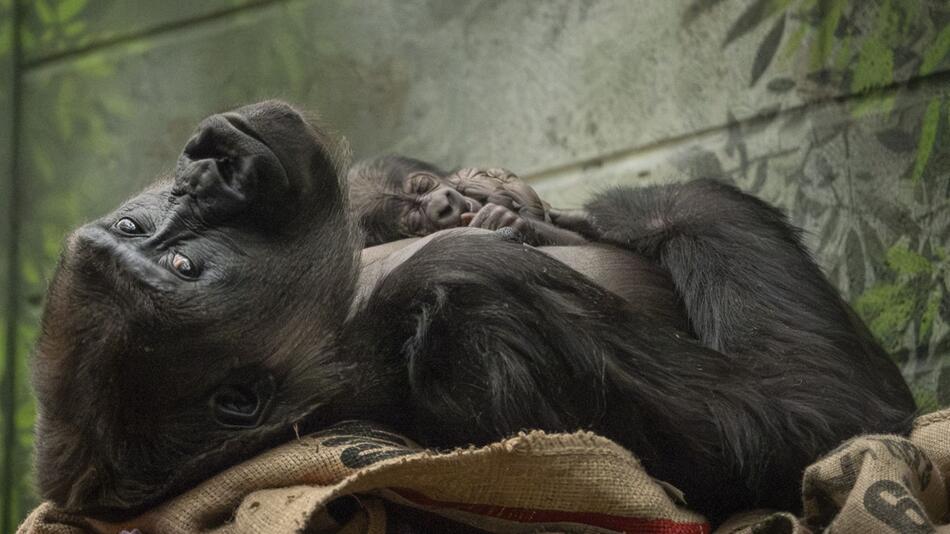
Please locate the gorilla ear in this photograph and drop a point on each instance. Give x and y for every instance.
(243, 404)
(227, 170)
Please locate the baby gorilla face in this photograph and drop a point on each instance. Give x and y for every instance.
(396, 197)
(432, 203)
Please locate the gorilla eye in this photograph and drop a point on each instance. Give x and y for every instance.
(184, 266)
(128, 227)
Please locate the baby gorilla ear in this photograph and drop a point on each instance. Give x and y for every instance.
(226, 169)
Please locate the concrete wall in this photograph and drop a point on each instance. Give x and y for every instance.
(836, 110)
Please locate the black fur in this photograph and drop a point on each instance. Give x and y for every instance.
(470, 339)
(493, 350)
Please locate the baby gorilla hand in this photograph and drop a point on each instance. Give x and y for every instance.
(495, 217)
(532, 232)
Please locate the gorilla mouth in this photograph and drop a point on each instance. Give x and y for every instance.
(227, 168)
(242, 126)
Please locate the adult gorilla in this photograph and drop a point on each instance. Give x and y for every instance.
(202, 320)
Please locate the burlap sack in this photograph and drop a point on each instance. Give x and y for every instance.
(533, 482)
(872, 484)
(358, 478)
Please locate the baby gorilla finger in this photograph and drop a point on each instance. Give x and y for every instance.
(493, 217)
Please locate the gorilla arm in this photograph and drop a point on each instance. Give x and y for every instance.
(749, 285)
(792, 374)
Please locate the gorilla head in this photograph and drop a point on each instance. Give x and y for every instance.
(169, 329)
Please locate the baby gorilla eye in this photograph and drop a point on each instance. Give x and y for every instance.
(183, 266)
(422, 182)
(128, 226)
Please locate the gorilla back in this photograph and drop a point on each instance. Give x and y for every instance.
(202, 320)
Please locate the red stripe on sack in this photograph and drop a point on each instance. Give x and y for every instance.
(529, 515)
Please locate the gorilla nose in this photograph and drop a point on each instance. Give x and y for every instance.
(444, 207)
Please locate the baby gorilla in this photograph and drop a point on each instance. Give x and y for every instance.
(396, 197)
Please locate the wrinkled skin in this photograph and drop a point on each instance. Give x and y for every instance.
(396, 197)
(209, 317)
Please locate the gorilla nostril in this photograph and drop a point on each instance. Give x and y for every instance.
(208, 143)
(200, 145)
(446, 212)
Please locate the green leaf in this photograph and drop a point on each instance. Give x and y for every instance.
(117, 106)
(830, 11)
(887, 309)
(95, 65)
(925, 398)
(875, 66)
(24, 416)
(44, 12)
(911, 13)
(27, 40)
(68, 9)
(928, 136)
(936, 52)
(873, 104)
(52, 238)
(30, 273)
(6, 37)
(844, 54)
(42, 166)
(793, 43)
(65, 107)
(940, 253)
(904, 261)
(74, 28)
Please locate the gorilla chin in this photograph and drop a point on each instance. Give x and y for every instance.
(205, 318)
